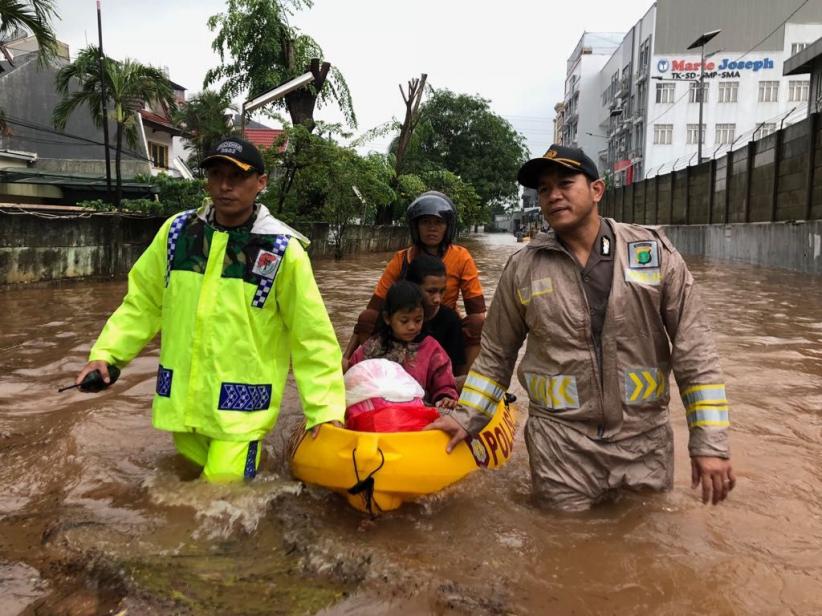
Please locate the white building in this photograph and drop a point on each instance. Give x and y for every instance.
(647, 96)
(745, 97)
(579, 123)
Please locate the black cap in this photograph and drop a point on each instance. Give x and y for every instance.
(570, 158)
(242, 153)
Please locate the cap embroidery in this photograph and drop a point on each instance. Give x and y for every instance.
(551, 154)
(230, 147)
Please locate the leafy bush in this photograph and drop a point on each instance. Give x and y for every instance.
(176, 194)
(96, 204)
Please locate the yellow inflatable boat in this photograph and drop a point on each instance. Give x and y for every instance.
(378, 471)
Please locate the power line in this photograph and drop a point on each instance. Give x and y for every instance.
(770, 34)
(87, 141)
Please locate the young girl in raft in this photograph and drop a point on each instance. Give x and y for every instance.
(402, 339)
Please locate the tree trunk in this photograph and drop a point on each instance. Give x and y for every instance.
(416, 87)
(118, 194)
(300, 106)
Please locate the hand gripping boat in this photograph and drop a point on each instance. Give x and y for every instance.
(378, 471)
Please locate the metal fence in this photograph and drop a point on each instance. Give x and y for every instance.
(778, 177)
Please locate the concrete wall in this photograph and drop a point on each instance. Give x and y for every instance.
(60, 244)
(742, 22)
(791, 245)
(51, 243)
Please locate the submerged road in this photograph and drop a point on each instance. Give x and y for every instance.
(98, 514)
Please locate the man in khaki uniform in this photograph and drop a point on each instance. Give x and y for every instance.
(609, 309)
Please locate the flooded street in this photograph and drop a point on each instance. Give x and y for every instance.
(98, 515)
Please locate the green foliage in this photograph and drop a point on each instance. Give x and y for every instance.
(203, 118)
(260, 50)
(96, 204)
(460, 134)
(316, 179)
(177, 194)
(36, 17)
(463, 195)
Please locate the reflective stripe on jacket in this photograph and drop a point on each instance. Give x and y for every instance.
(653, 299)
(235, 309)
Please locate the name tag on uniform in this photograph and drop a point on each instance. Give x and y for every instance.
(266, 264)
(643, 255)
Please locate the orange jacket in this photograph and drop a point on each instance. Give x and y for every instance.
(461, 275)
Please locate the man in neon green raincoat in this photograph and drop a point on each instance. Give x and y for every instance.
(232, 291)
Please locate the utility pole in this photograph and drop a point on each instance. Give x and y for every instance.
(103, 100)
(700, 42)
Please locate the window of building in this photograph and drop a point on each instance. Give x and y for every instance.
(642, 95)
(639, 136)
(158, 154)
(663, 134)
(665, 92)
(693, 133)
(798, 91)
(797, 47)
(728, 91)
(765, 129)
(693, 92)
(725, 134)
(644, 55)
(768, 91)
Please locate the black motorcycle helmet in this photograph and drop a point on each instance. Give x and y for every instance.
(432, 203)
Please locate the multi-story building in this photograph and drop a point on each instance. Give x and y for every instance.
(559, 121)
(648, 92)
(579, 122)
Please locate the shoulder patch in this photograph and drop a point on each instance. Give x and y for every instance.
(643, 255)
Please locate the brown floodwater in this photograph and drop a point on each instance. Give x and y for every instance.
(98, 515)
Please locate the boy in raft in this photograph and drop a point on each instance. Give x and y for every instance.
(432, 221)
(441, 322)
(231, 289)
(402, 338)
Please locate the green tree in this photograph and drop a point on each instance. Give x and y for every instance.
(204, 119)
(316, 179)
(34, 16)
(264, 51)
(460, 134)
(463, 194)
(129, 86)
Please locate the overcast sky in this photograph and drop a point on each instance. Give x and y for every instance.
(512, 52)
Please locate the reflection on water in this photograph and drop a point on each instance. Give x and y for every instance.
(97, 513)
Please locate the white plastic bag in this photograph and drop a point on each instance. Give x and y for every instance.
(380, 378)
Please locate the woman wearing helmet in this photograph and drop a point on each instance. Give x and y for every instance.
(432, 221)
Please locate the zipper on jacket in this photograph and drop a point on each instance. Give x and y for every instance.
(592, 346)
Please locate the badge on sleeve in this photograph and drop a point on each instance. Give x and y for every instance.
(643, 255)
(266, 264)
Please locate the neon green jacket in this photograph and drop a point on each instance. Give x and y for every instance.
(235, 308)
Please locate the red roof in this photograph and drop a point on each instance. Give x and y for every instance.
(159, 122)
(264, 137)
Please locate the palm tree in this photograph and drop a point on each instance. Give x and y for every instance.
(129, 86)
(205, 122)
(32, 15)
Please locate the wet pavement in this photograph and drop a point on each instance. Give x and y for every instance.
(98, 515)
